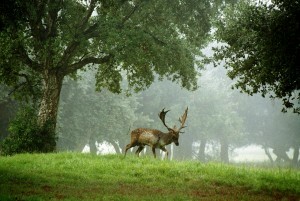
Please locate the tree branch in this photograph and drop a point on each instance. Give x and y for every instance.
(156, 39)
(51, 29)
(86, 18)
(21, 84)
(38, 30)
(71, 48)
(89, 60)
(27, 84)
(25, 58)
(68, 53)
(129, 15)
(91, 31)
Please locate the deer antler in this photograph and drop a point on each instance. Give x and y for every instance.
(162, 116)
(183, 118)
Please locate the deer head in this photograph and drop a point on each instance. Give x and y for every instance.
(174, 131)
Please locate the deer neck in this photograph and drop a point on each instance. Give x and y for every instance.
(165, 139)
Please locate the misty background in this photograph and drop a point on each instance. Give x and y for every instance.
(222, 125)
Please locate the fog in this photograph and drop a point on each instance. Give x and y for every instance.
(222, 124)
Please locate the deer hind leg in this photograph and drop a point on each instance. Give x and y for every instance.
(153, 150)
(165, 150)
(138, 151)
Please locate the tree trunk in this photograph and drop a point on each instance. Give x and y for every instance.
(268, 154)
(296, 155)
(51, 88)
(122, 144)
(281, 154)
(116, 147)
(93, 147)
(224, 150)
(202, 150)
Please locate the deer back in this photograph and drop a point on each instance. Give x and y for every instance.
(152, 137)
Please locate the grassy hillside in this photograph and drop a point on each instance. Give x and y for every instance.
(74, 176)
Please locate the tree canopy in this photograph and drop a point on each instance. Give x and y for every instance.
(54, 39)
(260, 45)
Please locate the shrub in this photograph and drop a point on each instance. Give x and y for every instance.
(25, 135)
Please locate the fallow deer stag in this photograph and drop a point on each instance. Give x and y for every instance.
(155, 138)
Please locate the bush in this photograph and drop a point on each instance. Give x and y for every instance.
(25, 135)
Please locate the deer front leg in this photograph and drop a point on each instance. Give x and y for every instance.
(128, 147)
(138, 151)
(153, 150)
(166, 151)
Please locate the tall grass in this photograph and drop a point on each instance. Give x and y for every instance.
(75, 176)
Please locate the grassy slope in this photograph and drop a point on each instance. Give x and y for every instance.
(74, 176)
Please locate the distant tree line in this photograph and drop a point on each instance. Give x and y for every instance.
(218, 117)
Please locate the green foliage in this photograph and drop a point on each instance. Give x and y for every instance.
(86, 116)
(260, 46)
(54, 39)
(25, 135)
(138, 37)
(8, 110)
(161, 37)
(12, 13)
(73, 176)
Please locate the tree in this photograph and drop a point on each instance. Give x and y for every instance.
(274, 130)
(11, 13)
(260, 45)
(140, 38)
(215, 117)
(8, 110)
(86, 116)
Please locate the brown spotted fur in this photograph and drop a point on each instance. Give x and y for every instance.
(155, 138)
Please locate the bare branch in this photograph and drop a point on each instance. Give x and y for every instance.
(28, 84)
(16, 88)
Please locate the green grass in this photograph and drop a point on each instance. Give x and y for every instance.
(75, 176)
